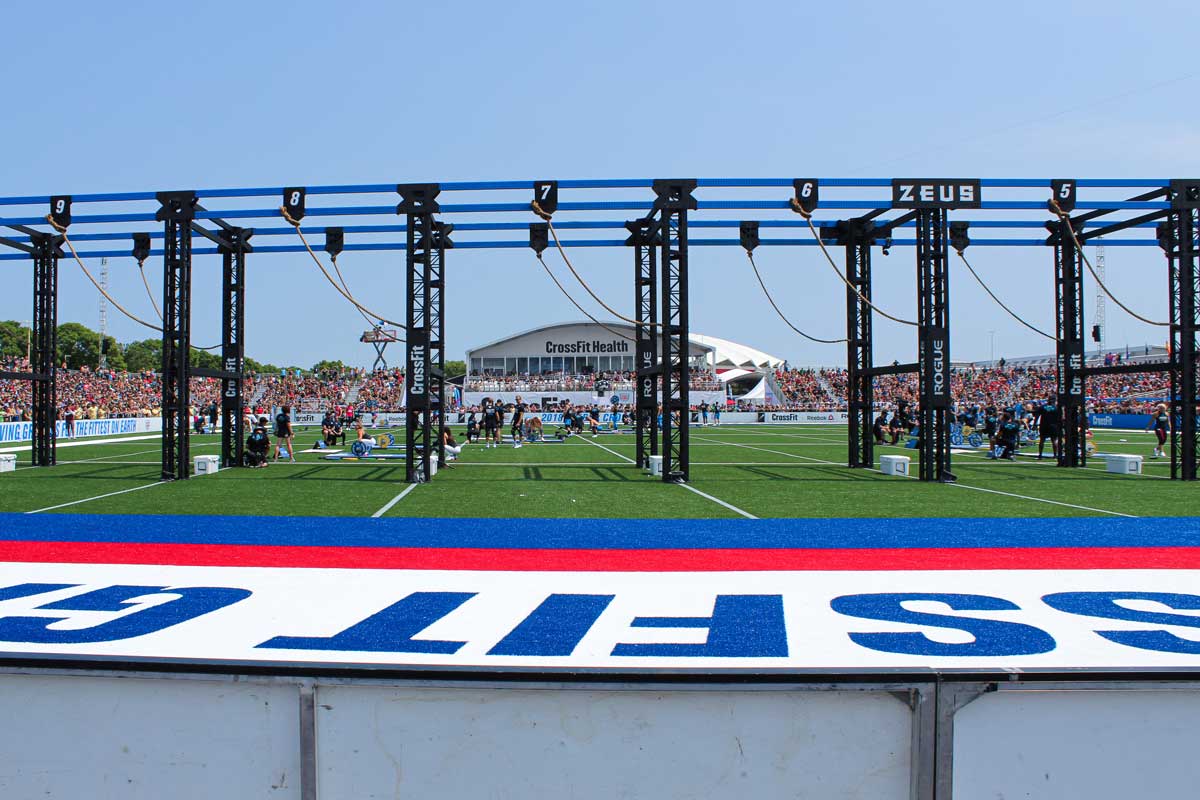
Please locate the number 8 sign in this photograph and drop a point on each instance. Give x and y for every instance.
(293, 201)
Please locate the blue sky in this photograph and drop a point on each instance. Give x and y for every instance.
(132, 96)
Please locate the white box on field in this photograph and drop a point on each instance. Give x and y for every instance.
(894, 465)
(1124, 465)
(206, 465)
(656, 465)
(8, 462)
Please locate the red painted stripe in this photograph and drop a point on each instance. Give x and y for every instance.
(681, 560)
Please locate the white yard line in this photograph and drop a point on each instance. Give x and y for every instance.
(84, 443)
(97, 497)
(778, 452)
(394, 500)
(1043, 500)
(716, 500)
(719, 501)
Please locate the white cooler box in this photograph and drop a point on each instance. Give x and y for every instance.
(1124, 465)
(8, 462)
(656, 465)
(206, 465)
(894, 465)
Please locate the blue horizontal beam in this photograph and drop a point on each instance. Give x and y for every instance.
(618, 205)
(519, 244)
(460, 227)
(618, 183)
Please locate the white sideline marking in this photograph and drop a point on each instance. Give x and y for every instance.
(716, 500)
(394, 500)
(84, 443)
(775, 452)
(97, 497)
(1043, 500)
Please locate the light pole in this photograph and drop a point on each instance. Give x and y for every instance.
(993, 359)
(28, 340)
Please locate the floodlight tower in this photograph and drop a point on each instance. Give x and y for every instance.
(1100, 323)
(103, 363)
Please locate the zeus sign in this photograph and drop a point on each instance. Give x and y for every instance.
(936, 193)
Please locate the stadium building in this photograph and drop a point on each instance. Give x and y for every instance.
(588, 348)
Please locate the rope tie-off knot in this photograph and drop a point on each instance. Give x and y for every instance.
(799, 209)
(295, 223)
(537, 209)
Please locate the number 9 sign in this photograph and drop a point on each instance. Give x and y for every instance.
(806, 193)
(60, 210)
(293, 201)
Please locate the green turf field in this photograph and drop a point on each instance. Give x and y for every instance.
(760, 471)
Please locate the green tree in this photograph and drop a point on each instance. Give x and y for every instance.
(205, 359)
(78, 346)
(455, 368)
(144, 355)
(334, 366)
(14, 338)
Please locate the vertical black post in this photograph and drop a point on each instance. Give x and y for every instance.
(933, 341)
(643, 237)
(44, 361)
(1068, 308)
(674, 199)
(436, 283)
(177, 212)
(418, 202)
(233, 346)
(857, 236)
(1185, 307)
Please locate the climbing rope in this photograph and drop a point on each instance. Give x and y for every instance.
(786, 321)
(808, 218)
(537, 209)
(70, 246)
(295, 223)
(1062, 215)
(567, 295)
(1000, 302)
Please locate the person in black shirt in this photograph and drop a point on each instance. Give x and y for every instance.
(518, 418)
(492, 419)
(1048, 428)
(257, 445)
(472, 428)
(879, 429)
(283, 433)
(1006, 437)
(330, 429)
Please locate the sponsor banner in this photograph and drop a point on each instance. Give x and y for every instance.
(306, 417)
(1129, 421)
(795, 417)
(23, 431)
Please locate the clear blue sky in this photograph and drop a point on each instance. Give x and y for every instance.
(139, 95)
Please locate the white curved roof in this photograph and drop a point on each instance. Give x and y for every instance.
(732, 354)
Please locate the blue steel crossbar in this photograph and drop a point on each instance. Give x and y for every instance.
(506, 245)
(618, 183)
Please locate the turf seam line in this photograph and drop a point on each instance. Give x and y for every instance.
(97, 497)
(394, 500)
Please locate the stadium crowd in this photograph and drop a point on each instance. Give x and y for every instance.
(91, 394)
